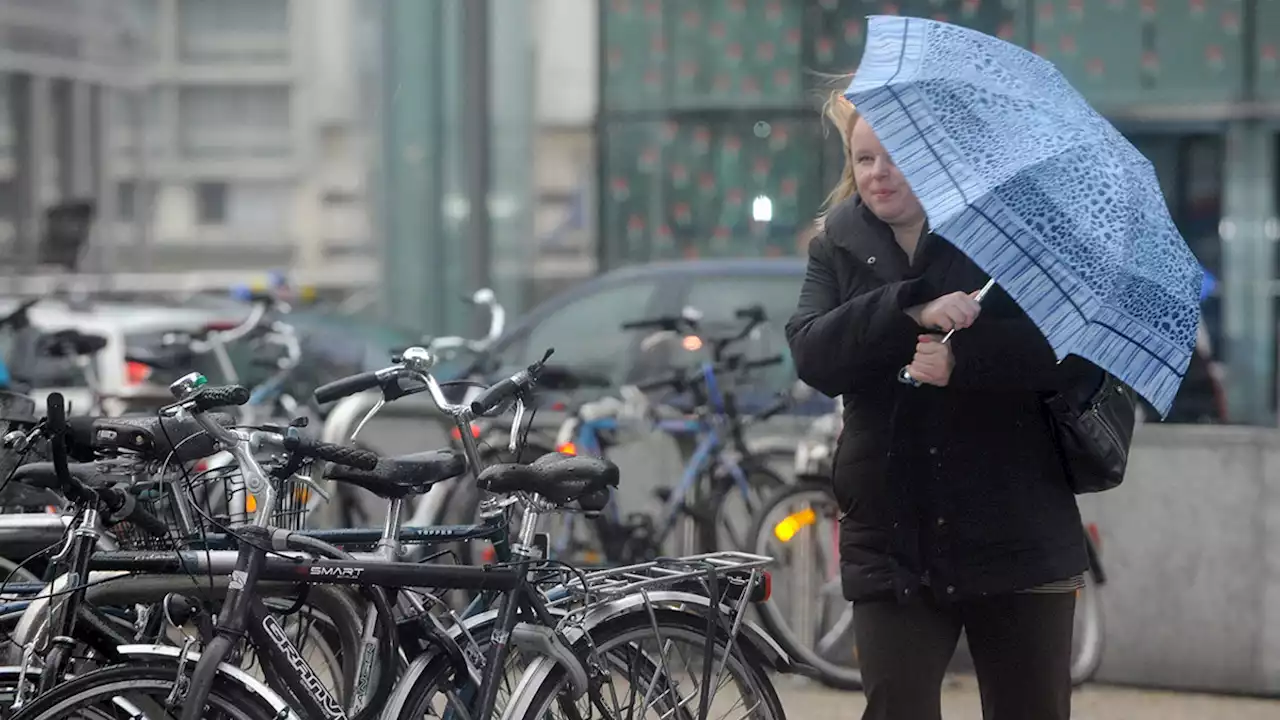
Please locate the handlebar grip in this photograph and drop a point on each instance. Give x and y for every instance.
(494, 395)
(754, 313)
(778, 406)
(336, 454)
(347, 386)
(764, 362)
(124, 508)
(220, 396)
(56, 429)
(662, 323)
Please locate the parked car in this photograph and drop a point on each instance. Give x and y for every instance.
(584, 323)
(123, 385)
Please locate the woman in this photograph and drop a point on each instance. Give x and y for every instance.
(955, 510)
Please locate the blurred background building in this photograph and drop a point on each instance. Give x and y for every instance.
(335, 138)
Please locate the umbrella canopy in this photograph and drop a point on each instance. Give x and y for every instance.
(1016, 170)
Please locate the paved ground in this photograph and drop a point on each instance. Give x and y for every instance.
(806, 701)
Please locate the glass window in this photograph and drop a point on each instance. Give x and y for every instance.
(587, 333)
(211, 203)
(233, 31)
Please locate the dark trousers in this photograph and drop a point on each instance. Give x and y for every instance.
(1021, 647)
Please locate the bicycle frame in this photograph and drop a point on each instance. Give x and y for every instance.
(709, 427)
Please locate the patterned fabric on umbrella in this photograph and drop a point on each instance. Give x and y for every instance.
(1015, 169)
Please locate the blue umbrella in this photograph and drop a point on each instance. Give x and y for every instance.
(1016, 170)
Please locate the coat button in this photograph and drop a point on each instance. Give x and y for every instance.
(933, 451)
(942, 522)
(871, 260)
(951, 589)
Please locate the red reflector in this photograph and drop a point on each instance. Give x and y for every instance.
(1092, 528)
(457, 434)
(766, 586)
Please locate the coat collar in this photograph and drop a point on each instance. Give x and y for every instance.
(852, 226)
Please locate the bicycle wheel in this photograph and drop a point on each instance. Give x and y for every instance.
(813, 622)
(1088, 635)
(139, 690)
(427, 691)
(624, 640)
(735, 507)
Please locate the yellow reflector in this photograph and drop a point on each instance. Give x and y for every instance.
(251, 503)
(791, 524)
(302, 493)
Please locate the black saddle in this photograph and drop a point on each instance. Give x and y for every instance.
(403, 476)
(41, 475)
(71, 343)
(559, 478)
(146, 435)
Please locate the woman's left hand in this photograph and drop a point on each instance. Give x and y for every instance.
(933, 362)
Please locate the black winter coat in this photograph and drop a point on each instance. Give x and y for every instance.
(959, 488)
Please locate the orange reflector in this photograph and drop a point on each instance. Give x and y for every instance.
(251, 503)
(456, 434)
(692, 343)
(792, 524)
(568, 449)
(302, 493)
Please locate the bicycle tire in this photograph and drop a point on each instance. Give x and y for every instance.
(225, 696)
(641, 624)
(828, 673)
(763, 483)
(1086, 659)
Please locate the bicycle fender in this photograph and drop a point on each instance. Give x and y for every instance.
(413, 673)
(756, 639)
(546, 643)
(251, 684)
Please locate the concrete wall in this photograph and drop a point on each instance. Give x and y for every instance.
(1191, 542)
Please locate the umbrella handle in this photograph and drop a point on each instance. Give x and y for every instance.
(904, 376)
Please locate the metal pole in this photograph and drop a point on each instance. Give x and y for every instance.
(477, 142)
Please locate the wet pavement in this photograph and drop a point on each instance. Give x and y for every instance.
(806, 700)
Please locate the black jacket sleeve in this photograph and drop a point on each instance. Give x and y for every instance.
(840, 347)
(1009, 353)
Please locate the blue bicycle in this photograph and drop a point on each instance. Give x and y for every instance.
(720, 471)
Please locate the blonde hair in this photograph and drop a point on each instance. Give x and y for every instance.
(843, 115)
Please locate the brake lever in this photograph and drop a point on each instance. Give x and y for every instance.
(312, 485)
(516, 424)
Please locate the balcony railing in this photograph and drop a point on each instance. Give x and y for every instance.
(239, 48)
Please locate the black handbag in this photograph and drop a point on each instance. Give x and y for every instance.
(1093, 423)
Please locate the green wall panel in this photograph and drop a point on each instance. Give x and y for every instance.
(1125, 52)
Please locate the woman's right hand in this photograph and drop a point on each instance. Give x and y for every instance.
(954, 311)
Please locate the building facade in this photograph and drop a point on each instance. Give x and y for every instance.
(61, 63)
(241, 148)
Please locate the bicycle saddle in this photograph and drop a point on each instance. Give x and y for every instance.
(71, 343)
(399, 477)
(559, 478)
(146, 435)
(42, 475)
